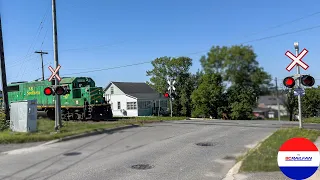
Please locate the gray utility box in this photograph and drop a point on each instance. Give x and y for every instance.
(23, 116)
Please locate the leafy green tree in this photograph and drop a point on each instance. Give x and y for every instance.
(311, 102)
(240, 69)
(290, 103)
(238, 65)
(242, 100)
(177, 68)
(207, 98)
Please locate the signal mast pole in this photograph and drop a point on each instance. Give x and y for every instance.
(296, 47)
(58, 123)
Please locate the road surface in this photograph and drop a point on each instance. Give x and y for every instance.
(167, 151)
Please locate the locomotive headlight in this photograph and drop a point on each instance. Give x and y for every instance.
(96, 101)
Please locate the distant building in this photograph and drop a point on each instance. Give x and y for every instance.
(268, 108)
(134, 99)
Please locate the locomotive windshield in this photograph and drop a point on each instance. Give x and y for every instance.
(84, 82)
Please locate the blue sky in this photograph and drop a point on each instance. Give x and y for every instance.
(105, 34)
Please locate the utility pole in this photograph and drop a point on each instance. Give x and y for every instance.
(277, 99)
(58, 123)
(170, 92)
(41, 53)
(4, 79)
(296, 47)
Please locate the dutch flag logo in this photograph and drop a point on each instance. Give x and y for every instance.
(298, 158)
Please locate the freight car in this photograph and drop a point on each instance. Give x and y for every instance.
(83, 100)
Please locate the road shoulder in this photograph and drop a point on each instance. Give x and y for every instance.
(237, 174)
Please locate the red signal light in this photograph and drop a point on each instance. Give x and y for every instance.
(307, 80)
(60, 90)
(48, 91)
(166, 95)
(289, 82)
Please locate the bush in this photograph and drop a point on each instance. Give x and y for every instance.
(3, 123)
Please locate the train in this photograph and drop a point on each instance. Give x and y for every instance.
(84, 101)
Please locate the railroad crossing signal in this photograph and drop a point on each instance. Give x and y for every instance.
(59, 90)
(306, 80)
(166, 95)
(297, 60)
(54, 73)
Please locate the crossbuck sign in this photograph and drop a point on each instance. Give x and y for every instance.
(297, 60)
(54, 73)
(171, 87)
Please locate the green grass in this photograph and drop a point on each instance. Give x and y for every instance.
(311, 120)
(264, 158)
(46, 131)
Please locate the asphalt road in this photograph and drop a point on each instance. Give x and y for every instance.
(169, 150)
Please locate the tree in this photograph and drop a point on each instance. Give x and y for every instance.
(239, 68)
(206, 99)
(311, 102)
(242, 100)
(238, 65)
(290, 103)
(177, 68)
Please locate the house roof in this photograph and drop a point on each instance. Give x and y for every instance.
(270, 100)
(133, 88)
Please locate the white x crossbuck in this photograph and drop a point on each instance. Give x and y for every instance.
(54, 73)
(297, 60)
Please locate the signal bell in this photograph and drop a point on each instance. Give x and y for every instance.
(307, 80)
(289, 82)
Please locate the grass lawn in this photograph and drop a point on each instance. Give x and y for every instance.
(46, 129)
(264, 158)
(311, 120)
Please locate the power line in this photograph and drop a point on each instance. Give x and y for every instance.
(36, 37)
(256, 40)
(41, 27)
(273, 27)
(283, 34)
(285, 23)
(94, 47)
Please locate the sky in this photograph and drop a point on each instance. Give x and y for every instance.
(100, 34)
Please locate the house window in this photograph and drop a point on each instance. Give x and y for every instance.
(131, 105)
(145, 104)
(119, 105)
(111, 89)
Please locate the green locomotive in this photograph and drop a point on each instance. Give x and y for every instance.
(83, 100)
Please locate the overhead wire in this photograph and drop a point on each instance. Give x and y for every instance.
(255, 40)
(285, 23)
(34, 39)
(41, 27)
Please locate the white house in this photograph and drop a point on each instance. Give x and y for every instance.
(134, 99)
